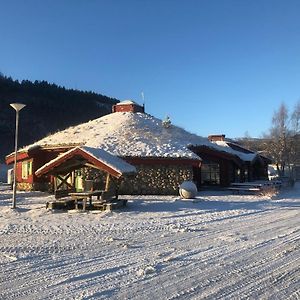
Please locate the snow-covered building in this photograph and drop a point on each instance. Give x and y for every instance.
(163, 156)
(254, 165)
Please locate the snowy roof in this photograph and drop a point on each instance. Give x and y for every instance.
(242, 155)
(126, 102)
(113, 161)
(96, 156)
(128, 134)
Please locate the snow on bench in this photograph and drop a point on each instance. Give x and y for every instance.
(62, 200)
(237, 190)
(255, 187)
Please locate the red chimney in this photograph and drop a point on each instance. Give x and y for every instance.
(216, 137)
(128, 106)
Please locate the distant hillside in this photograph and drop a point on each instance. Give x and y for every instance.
(49, 108)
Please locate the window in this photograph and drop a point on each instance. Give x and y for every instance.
(236, 175)
(210, 174)
(26, 169)
(246, 175)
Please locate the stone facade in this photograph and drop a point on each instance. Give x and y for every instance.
(38, 186)
(24, 186)
(149, 180)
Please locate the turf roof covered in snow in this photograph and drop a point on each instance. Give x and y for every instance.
(128, 134)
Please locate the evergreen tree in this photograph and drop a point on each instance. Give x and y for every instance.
(49, 108)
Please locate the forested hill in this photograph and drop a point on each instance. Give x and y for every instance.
(49, 108)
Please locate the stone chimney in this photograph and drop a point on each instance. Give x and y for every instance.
(216, 137)
(128, 106)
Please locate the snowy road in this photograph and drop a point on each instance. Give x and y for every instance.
(218, 247)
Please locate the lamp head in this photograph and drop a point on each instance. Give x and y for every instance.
(17, 106)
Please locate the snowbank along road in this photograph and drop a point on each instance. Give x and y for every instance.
(218, 246)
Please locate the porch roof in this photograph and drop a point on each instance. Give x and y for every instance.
(205, 151)
(86, 156)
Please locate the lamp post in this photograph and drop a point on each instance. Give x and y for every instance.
(17, 107)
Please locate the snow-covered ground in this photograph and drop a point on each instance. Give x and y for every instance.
(217, 247)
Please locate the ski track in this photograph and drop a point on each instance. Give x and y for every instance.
(220, 247)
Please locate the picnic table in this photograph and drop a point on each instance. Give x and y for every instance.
(253, 187)
(84, 197)
(245, 187)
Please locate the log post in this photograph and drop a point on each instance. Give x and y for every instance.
(107, 183)
(54, 183)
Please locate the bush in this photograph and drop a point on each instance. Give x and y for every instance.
(269, 191)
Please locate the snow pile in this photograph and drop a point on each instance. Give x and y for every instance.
(146, 270)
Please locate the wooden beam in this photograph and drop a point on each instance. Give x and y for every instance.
(92, 166)
(101, 169)
(54, 183)
(64, 180)
(107, 183)
(68, 167)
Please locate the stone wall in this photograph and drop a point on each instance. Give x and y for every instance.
(149, 180)
(156, 180)
(38, 186)
(24, 186)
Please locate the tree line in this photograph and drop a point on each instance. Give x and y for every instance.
(49, 108)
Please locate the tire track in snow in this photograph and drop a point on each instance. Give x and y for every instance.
(258, 262)
(193, 251)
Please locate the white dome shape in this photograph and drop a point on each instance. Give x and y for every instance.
(188, 190)
(128, 134)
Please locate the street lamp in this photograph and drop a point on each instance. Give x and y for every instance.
(17, 107)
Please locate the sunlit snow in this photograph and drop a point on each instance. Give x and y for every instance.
(218, 246)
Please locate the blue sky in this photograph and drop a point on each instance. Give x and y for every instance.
(212, 66)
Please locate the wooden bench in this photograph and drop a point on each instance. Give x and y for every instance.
(62, 200)
(61, 204)
(109, 196)
(254, 187)
(109, 205)
(63, 193)
(246, 187)
(238, 190)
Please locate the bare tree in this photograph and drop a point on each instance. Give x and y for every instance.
(278, 143)
(295, 135)
(295, 118)
(246, 140)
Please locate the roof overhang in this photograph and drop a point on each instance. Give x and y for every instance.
(203, 150)
(29, 152)
(79, 157)
(266, 160)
